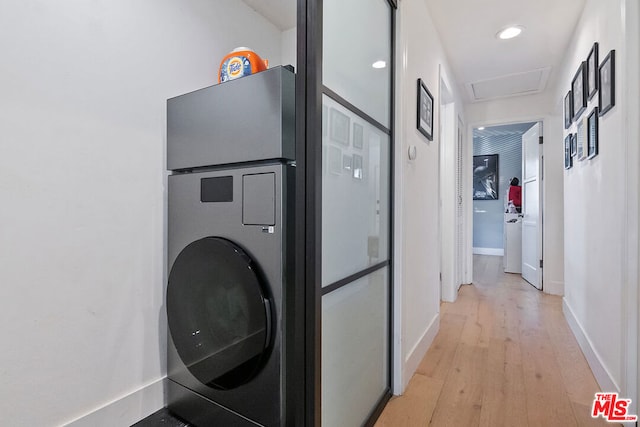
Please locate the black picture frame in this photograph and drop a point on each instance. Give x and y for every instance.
(607, 76)
(579, 91)
(486, 177)
(581, 140)
(574, 146)
(593, 73)
(568, 110)
(592, 134)
(425, 111)
(568, 143)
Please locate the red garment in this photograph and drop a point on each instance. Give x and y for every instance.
(515, 195)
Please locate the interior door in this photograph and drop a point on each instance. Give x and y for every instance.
(531, 208)
(357, 112)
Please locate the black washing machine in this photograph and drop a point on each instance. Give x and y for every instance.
(230, 296)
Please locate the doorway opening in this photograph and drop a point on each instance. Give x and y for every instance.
(507, 209)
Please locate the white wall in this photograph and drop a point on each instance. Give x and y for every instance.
(82, 173)
(631, 102)
(447, 142)
(452, 263)
(420, 54)
(601, 207)
(288, 44)
(510, 110)
(545, 108)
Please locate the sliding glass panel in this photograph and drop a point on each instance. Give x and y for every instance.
(355, 193)
(356, 147)
(357, 38)
(355, 349)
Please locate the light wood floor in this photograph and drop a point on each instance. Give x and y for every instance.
(504, 356)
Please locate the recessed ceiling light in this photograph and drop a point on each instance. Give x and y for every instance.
(481, 128)
(510, 32)
(379, 64)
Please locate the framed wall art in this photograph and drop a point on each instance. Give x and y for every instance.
(485, 177)
(592, 71)
(568, 142)
(425, 110)
(607, 75)
(579, 91)
(581, 138)
(592, 134)
(568, 110)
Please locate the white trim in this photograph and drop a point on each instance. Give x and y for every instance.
(505, 121)
(418, 351)
(600, 372)
(126, 410)
(553, 287)
(488, 251)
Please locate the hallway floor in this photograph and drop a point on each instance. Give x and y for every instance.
(504, 356)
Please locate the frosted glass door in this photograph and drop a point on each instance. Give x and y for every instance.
(355, 194)
(357, 35)
(356, 206)
(355, 349)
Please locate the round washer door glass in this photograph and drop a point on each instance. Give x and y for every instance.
(219, 315)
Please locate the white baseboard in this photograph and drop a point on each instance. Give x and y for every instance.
(603, 377)
(488, 251)
(553, 287)
(415, 356)
(126, 410)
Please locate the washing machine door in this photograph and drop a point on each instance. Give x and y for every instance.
(219, 313)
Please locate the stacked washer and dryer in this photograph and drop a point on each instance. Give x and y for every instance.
(229, 300)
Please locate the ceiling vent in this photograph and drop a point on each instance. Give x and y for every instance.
(518, 84)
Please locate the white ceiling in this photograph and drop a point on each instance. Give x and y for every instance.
(488, 68)
(281, 13)
(484, 66)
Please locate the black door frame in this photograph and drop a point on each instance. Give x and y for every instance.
(305, 401)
